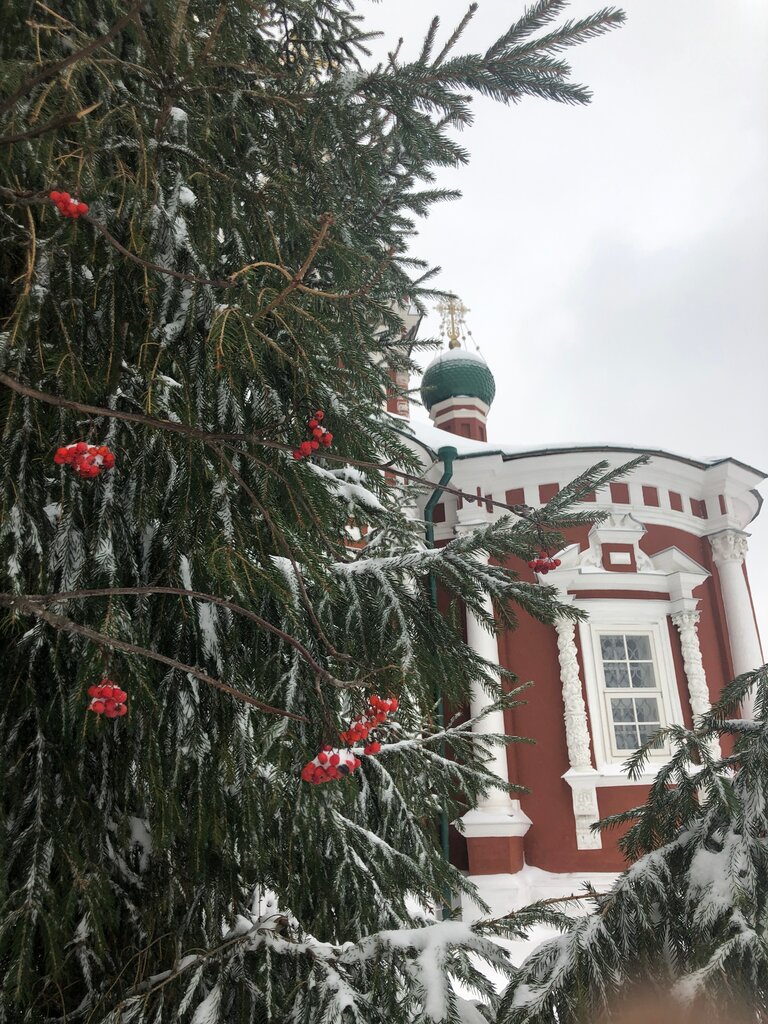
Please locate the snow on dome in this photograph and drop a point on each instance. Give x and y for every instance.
(450, 354)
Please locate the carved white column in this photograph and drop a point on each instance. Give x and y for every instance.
(698, 691)
(729, 548)
(581, 774)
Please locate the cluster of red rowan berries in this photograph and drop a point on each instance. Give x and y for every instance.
(317, 435)
(335, 762)
(87, 460)
(331, 763)
(107, 699)
(67, 206)
(544, 563)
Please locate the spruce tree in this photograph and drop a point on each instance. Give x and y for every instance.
(686, 925)
(206, 213)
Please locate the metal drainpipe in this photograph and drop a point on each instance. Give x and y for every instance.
(447, 454)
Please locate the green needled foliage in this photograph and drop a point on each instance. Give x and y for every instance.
(687, 924)
(253, 181)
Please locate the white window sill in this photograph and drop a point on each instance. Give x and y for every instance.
(614, 775)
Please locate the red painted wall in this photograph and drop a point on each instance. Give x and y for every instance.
(531, 653)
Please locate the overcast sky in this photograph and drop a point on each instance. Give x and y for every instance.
(615, 257)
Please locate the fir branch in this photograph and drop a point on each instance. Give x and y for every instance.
(26, 606)
(58, 66)
(75, 595)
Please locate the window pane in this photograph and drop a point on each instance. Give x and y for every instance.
(647, 709)
(612, 647)
(639, 648)
(642, 674)
(647, 732)
(626, 737)
(616, 674)
(622, 710)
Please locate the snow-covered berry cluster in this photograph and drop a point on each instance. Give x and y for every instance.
(67, 206)
(334, 763)
(331, 763)
(544, 563)
(107, 699)
(317, 435)
(87, 460)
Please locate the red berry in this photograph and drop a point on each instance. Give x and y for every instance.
(312, 424)
(82, 208)
(94, 691)
(297, 454)
(61, 456)
(557, 563)
(322, 757)
(334, 759)
(318, 432)
(119, 695)
(328, 439)
(319, 415)
(394, 704)
(97, 706)
(315, 445)
(64, 197)
(305, 448)
(55, 196)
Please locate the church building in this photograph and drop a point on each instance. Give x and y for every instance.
(670, 621)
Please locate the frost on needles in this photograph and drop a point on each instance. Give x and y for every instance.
(236, 191)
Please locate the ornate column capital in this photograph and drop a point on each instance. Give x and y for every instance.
(686, 619)
(729, 546)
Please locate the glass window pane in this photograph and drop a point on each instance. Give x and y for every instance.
(626, 737)
(612, 647)
(647, 732)
(642, 674)
(616, 675)
(647, 709)
(623, 710)
(638, 648)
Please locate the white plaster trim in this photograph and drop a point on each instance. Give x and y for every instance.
(585, 811)
(440, 408)
(464, 414)
(477, 824)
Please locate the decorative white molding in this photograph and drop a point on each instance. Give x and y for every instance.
(698, 692)
(574, 708)
(478, 823)
(729, 546)
(616, 528)
(585, 810)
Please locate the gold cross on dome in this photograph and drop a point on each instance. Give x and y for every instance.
(453, 320)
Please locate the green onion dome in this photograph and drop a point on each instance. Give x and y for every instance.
(457, 373)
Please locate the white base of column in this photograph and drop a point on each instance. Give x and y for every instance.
(505, 821)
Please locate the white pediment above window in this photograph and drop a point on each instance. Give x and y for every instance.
(614, 560)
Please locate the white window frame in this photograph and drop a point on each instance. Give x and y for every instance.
(634, 618)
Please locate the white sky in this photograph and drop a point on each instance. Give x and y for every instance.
(615, 257)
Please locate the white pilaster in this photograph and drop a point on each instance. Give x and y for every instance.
(581, 775)
(686, 623)
(729, 548)
(496, 814)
